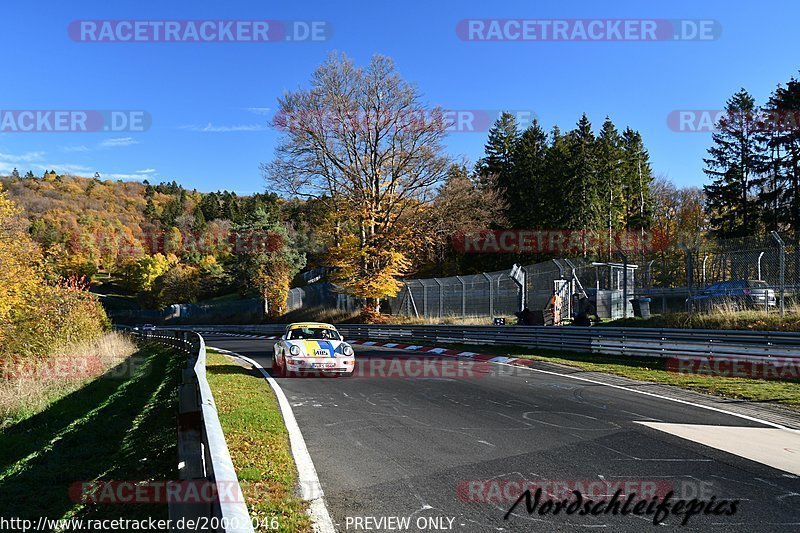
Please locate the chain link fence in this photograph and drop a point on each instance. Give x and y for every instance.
(749, 272)
(550, 290)
(760, 273)
(755, 273)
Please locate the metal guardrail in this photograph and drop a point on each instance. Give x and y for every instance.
(650, 342)
(203, 454)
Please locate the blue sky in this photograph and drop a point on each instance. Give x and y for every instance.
(209, 102)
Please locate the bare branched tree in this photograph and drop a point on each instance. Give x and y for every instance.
(361, 141)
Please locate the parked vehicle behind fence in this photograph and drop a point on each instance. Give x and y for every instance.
(734, 295)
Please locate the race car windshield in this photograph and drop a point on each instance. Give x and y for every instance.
(313, 333)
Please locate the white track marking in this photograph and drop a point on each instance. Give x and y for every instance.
(768, 446)
(500, 360)
(654, 395)
(310, 488)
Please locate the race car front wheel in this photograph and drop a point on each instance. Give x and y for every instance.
(280, 370)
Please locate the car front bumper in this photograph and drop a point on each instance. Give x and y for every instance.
(335, 365)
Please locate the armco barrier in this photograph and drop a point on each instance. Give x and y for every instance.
(202, 451)
(648, 342)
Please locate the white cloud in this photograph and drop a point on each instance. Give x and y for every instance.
(146, 171)
(118, 141)
(210, 128)
(65, 168)
(259, 110)
(124, 176)
(80, 148)
(27, 157)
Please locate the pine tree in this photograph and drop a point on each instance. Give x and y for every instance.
(779, 197)
(637, 180)
(210, 206)
(611, 200)
(734, 161)
(582, 194)
(150, 211)
(199, 223)
(558, 172)
(526, 189)
(499, 150)
(172, 210)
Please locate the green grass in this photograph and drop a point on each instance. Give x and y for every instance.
(742, 320)
(653, 369)
(258, 442)
(113, 428)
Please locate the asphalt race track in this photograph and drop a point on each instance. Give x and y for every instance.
(450, 453)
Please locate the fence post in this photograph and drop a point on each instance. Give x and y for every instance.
(411, 300)
(441, 296)
(491, 294)
(463, 296)
(781, 267)
(624, 286)
(689, 268)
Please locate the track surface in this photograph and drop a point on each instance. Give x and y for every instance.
(396, 447)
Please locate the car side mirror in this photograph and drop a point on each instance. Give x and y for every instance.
(283, 337)
(341, 337)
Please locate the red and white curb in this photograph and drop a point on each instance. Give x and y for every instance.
(460, 354)
(447, 352)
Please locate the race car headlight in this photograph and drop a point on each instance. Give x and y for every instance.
(347, 350)
(294, 350)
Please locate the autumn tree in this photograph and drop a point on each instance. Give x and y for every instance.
(38, 310)
(361, 141)
(462, 204)
(265, 260)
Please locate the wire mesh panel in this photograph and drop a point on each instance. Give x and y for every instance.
(507, 295)
(671, 278)
(736, 274)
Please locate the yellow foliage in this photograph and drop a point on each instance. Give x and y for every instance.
(36, 315)
(370, 271)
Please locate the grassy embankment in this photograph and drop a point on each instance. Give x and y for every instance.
(116, 425)
(258, 442)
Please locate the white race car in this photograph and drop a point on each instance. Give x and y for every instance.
(312, 347)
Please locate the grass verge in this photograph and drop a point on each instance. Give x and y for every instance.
(258, 442)
(119, 426)
(28, 386)
(742, 320)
